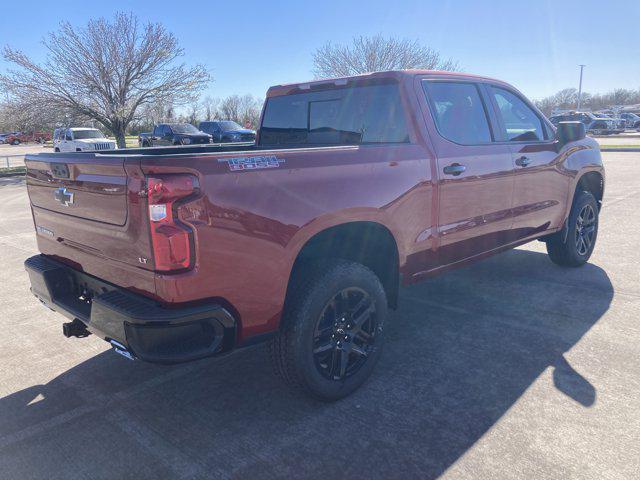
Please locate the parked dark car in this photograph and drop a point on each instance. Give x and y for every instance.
(620, 123)
(167, 134)
(226, 131)
(594, 125)
(633, 120)
(3, 136)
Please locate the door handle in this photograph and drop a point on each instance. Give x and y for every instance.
(523, 161)
(454, 169)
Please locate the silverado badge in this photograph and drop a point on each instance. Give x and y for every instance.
(252, 163)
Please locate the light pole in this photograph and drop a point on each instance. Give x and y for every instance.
(580, 87)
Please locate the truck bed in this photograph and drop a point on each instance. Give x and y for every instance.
(175, 150)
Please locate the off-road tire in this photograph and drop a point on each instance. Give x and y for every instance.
(564, 247)
(292, 350)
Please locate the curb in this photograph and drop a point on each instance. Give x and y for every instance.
(620, 150)
(632, 135)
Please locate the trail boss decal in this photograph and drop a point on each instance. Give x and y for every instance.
(252, 163)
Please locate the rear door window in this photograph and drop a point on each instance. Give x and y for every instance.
(521, 123)
(346, 116)
(458, 111)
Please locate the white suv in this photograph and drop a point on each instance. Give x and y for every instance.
(81, 140)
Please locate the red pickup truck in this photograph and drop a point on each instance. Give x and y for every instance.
(354, 187)
(18, 138)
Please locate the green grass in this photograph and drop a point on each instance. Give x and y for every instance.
(131, 141)
(12, 171)
(621, 147)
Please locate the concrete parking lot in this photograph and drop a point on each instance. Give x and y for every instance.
(23, 149)
(511, 368)
(13, 155)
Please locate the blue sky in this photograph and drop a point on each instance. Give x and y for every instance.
(251, 45)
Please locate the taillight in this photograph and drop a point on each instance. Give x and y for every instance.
(172, 241)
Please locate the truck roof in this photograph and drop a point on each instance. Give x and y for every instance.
(288, 88)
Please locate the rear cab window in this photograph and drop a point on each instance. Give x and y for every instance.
(459, 113)
(354, 115)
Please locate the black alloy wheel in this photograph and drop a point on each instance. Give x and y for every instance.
(585, 229)
(332, 331)
(573, 246)
(345, 334)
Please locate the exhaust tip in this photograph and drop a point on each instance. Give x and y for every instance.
(122, 350)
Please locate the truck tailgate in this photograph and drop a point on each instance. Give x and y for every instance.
(88, 213)
(95, 191)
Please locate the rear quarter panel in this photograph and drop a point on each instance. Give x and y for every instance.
(250, 225)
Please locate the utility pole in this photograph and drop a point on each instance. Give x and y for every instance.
(580, 87)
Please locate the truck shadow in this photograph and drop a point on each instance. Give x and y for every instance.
(461, 350)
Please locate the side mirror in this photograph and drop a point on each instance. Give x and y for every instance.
(570, 132)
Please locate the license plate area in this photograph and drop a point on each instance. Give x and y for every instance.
(77, 294)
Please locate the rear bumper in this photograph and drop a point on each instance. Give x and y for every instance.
(146, 329)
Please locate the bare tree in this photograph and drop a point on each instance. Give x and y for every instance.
(193, 112)
(545, 105)
(150, 114)
(210, 108)
(622, 96)
(30, 116)
(567, 99)
(250, 109)
(230, 108)
(244, 110)
(105, 71)
(374, 54)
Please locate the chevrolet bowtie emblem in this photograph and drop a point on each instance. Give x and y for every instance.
(61, 195)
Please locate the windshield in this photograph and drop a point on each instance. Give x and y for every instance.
(184, 128)
(83, 134)
(229, 125)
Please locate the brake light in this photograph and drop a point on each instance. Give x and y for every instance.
(172, 241)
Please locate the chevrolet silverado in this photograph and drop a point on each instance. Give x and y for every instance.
(354, 187)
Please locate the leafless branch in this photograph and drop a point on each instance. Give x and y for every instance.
(105, 71)
(374, 54)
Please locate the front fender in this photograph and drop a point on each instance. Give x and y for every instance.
(578, 159)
